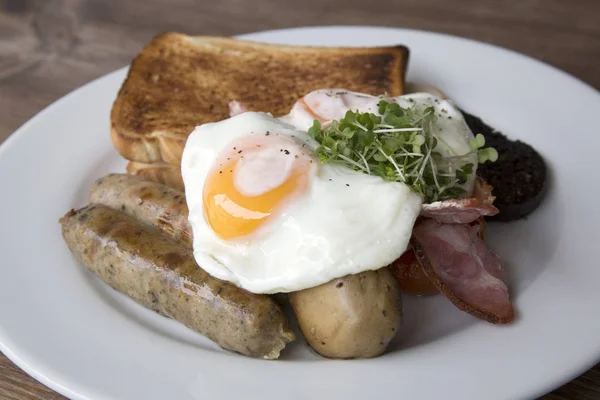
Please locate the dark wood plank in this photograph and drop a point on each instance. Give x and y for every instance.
(16, 385)
(50, 47)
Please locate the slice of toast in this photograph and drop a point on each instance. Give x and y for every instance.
(180, 81)
(169, 174)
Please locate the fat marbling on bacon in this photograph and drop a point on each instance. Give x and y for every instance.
(461, 266)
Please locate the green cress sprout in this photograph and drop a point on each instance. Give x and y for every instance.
(399, 147)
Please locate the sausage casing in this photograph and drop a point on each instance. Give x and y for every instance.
(149, 202)
(162, 275)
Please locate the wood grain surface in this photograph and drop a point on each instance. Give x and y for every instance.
(50, 47)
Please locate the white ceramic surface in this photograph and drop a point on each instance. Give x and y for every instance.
(68, 330)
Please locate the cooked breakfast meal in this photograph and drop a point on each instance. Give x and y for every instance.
(260, 174)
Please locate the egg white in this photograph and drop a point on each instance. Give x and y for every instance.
(345, 223)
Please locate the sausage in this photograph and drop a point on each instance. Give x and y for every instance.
(162, 207)
(149, 202)
(162, 275)
(351, 317)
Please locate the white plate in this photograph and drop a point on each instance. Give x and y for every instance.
(68, 330)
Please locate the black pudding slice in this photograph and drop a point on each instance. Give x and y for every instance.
(518, 177)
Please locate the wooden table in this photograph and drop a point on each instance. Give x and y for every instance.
(50, 47)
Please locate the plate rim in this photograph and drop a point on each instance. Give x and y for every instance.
(62, 386)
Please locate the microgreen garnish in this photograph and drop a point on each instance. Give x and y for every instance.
(398, 145)
(483, 154)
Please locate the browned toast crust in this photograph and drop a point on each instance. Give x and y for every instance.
(180, 81)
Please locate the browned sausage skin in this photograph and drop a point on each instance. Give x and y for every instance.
(162, 275)
(149, 202)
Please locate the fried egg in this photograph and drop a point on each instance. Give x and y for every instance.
(267, 216)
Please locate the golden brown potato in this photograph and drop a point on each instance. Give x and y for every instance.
(351, 317)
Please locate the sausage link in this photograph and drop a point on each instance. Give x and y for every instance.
(150, 202)
(162, 275)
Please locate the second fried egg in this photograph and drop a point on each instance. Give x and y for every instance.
(268, 217)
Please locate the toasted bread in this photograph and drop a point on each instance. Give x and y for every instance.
(180, 81)
(169, 174)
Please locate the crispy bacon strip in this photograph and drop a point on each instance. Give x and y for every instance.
(463, 211)
(410, 274)
(460, 265)
(235, 108)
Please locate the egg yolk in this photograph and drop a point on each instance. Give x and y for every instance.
(252, 181)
